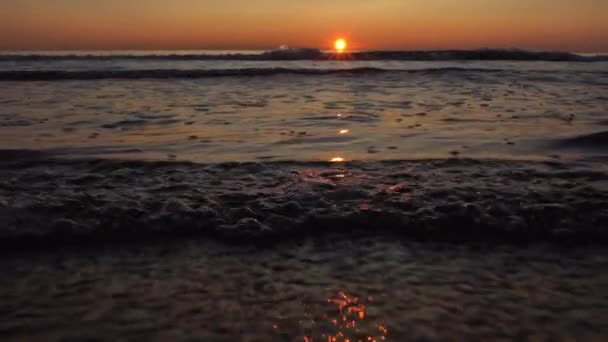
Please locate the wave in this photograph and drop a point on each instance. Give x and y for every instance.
(315, 54)
(597, 140)
(56, 75)
(46, 201)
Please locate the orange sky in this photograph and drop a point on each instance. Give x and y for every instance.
(574, 25)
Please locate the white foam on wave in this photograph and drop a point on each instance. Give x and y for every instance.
(46, 201)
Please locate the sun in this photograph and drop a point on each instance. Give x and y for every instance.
(340, 45)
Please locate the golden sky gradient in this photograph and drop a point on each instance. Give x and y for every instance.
(574, 25)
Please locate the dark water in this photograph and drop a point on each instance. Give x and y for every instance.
(315, 176)
(139, 107)
(328, 135)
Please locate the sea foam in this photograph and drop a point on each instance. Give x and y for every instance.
(50, 201)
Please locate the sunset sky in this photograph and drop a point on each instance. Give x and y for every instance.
(574, 25)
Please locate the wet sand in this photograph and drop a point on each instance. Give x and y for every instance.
(206, 291)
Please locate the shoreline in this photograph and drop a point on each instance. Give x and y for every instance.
(204, 290)
(78, 201)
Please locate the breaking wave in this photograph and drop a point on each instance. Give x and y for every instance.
(45, 201)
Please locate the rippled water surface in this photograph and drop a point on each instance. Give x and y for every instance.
(326, 255)
(388, 110)
(361, 290)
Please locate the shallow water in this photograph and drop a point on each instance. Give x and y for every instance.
(348, 289)
(52, 201)
(388, 110)
(334, 167)
(148, 108)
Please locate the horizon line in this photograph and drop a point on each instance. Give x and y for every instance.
(110, 50)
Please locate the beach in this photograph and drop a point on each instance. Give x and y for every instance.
(210, 111)
(232, 198)
(421, 250)
(47, 200)
(201, 290)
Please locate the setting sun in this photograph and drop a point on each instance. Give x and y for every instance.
(294, 159)
(340, 45)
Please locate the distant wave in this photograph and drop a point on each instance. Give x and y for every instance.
(53, 75)
(174, 73)
(315, 54)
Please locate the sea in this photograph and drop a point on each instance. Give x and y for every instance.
(190, 106)
(301, 195)
(268, 143)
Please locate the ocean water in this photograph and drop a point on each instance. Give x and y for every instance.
(248, 144)
(244, 196)
(221, 110)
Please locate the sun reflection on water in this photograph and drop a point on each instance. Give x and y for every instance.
(343, 318)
